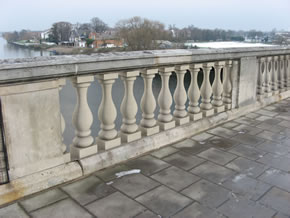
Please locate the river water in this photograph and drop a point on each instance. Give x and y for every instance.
(68, 95)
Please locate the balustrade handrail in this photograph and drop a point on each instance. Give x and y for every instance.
(18, 70)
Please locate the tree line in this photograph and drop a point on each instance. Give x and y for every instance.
(139, 33)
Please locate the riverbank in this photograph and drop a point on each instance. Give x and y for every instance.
(33, 45)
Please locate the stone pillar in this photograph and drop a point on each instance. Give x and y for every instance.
(180, 114)
(82, 145)
(217, 87)
(285, 73)
(267, 84)
(3, 165)
(260, 88)
(281, 74)
(288, 71)
(62, 121)
(206, 91)
(129, 129)
(108, 136)
(275, 71)
(227, 84)
(194, 93)
(165, 119)
(148, 123)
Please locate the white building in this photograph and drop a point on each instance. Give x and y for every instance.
(45, 34)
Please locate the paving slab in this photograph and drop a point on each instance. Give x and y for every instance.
(134, 185)
(252, 115)
(277, 178)
(248, 139)
(183, 160)
(243, 128)
(224, 132)
(285, 123)
(115, 205)
(278, 200)
(223, 143)
(247, 152)
(274, 148)
(248, 121)
(248, 187)
(230, 124)
(147, 164)
(276, 137)
(175, 178)
(87, 190)
(43, 199)
(213, 172)
(197, 210)
(12, 211)
(164, 201)
(266, 113)
(207, 193)
(276, 161)
(163, 152)
(109, 174)
(193, 147)
(64, 208)
(202, 137)
(248, 167)
(147, 214)
(217, 156)
(271, 127)
(241, 208)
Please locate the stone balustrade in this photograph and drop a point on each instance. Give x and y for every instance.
(273, 75)
(224, 84)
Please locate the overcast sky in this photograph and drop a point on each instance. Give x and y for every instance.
(226, 14)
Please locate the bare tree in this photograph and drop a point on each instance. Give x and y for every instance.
(141, 34)
(98, 25)
(61, 31)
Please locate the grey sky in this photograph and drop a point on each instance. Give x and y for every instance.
(226, 14)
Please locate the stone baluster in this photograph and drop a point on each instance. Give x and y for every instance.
(227, 83)
(275, 72)
(206, 91)
(165, 119)
(82, 145)
(180, 114)
(281, 73)
(287, 64)
(194, 93)
(62, 83)
(260, 88)
(148, 124)
(129, 129)
(217, 88)
(267, 84)
(285, 73)
(108, 136)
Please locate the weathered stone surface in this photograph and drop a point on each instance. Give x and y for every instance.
(220, 131)
(202, 137)
(147, 214)
(110, 173)
(43, 199)
(248, 139)
(277, 178)
(240, 208)
(243, 128)
(266, 113)
(278, 200)
(207, 193)
(212, 172)
(115, 205)
(163, 152)
(147, 164)
(223, 143)
(247, 152)
(65, 208)
(190, 146)
(274, 148)
(276, 161)
(248, 167)
(184, 160)
(246, 186)
(87, 190)
(164, 201)
(32, 128)
(12, 211)
(175, 178)
(197, 210)
(271, 136)
(134, 185)
(217, 156)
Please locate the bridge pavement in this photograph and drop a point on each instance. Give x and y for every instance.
(238, 169)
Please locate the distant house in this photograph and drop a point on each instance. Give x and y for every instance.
(45, 34)
(107, 39)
